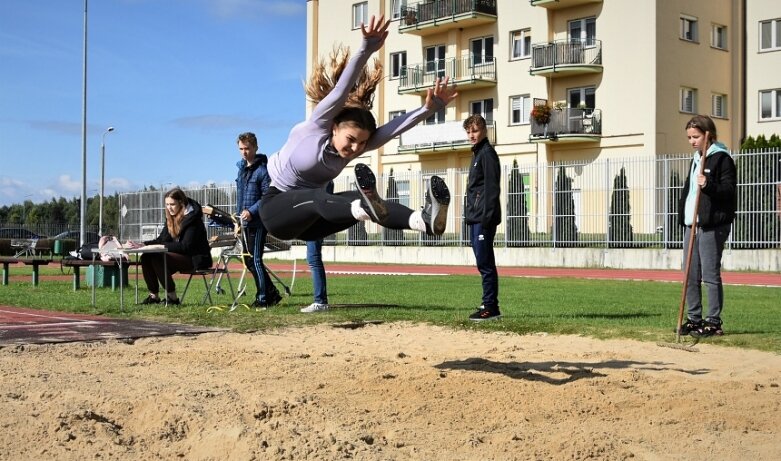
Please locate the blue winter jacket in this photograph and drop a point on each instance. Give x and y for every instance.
(252, 182)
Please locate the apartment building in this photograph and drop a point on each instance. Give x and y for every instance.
(763, 67)
(621, 77)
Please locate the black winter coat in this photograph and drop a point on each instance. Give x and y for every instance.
(483, 187)
(192, 239)
(719, 198)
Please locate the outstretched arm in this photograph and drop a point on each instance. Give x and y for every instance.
(373, 38)
(437, 98)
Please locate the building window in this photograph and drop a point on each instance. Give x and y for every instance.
(689, 28)
(436, 117)
(583, 98)
(719, 37)
(360, 14)
(770, 104)
(396, 9)
(584, 30)
(770, 35)
(521, 41)
(395, 113)
(484, 107)
(520, 108)
(719, 105)
(398, 64)
(435, 60)
(483, 51)
(688, 100)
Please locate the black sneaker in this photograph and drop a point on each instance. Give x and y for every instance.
(435, 210)
(485, 314)
(259, 306)
(367, 186)
(708, 329)
(689, 326)
(151, 300)
(273, 298)
(174, 302)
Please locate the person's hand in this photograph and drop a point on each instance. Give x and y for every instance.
(246, 215)
(442, 90)
(702, 180)
(377, 30)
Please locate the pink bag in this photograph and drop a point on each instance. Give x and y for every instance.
(110, 249)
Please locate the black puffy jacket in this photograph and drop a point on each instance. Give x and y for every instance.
(192, 239)
(719, 197)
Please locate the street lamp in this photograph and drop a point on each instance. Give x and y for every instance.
(102, 177)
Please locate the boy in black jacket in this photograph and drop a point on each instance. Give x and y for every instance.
(483, 213)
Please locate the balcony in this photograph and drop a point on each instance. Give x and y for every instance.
(566, 57)
(467, 75)
(559, 4)
(448, 136)
(435, 16)
(568, 125)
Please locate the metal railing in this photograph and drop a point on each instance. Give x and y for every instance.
(618, 203)
(421, 76)
(570, 52)
(440, 9)
(568, 121)
(439, 136)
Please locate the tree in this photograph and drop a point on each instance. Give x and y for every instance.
(674, 228)
(758, 175)
(392, 237)
(517, 213)
(620, 231)
(565, 231)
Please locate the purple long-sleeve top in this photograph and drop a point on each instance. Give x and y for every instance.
(307, 160)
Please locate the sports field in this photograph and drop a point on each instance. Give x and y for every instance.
(407, 381)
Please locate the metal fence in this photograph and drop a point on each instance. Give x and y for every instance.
(613, 203)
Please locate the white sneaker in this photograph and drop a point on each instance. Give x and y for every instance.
(315, 307)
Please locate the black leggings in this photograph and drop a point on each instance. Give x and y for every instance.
(313, 214)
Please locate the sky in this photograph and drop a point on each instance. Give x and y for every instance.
(177, 79)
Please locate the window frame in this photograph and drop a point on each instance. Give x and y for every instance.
(715, 36)
(693, 28)
(481, 106)
(395, 8)
(586, 36)
(722, 98)
(437, 64)
(683, 97)
(398, 69)
(523, 110)
(775, 105)
(360, 14)
(523, 36)
(775, 35)
(486, 50)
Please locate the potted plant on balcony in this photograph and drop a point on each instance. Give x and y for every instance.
(541, 114)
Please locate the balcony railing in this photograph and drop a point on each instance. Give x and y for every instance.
(439, 136)
(556, 4)
(420, 77)
(568, 124)
(437, 15)
(566, 56)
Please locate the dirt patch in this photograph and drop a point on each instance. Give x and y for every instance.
(387, 392)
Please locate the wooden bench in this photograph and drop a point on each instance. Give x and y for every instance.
(35, 262)
(77, 264)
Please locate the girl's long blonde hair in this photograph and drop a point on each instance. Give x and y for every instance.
(323, 80)
(174, 222)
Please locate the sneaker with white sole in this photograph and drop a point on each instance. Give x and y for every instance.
(367, 186)
(315, 307)
(435, 209)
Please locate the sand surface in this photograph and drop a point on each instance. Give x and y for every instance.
(387, 392)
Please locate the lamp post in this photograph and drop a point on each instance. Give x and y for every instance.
(102, 177)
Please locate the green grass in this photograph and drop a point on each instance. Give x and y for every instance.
(645, 311)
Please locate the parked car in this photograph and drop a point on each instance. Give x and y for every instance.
(74, 235)
(18, 233)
